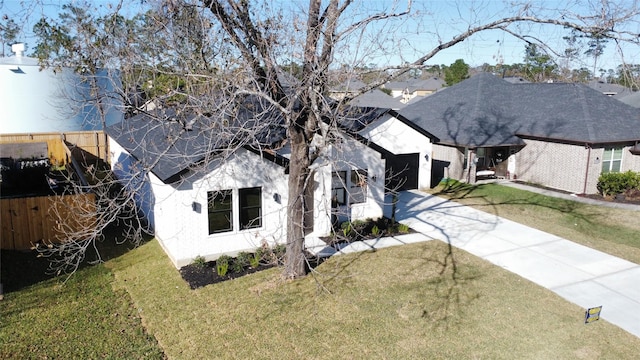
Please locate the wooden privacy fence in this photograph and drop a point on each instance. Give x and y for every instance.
(44, 219)
(93, 142)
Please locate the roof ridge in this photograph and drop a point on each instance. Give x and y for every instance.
(587, 114)
(479, 92)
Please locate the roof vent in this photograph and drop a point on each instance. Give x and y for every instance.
(18, 49)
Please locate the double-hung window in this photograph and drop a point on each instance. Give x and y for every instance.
(220, 204)
(358, 189)
(338, 188)
(611, 160)
(250, 207)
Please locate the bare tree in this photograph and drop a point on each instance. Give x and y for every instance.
(193, 52)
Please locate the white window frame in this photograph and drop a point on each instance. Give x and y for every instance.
(610, 157)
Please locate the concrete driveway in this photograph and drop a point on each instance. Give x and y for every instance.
(581, 275)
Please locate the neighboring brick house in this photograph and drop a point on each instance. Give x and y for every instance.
(554, 134)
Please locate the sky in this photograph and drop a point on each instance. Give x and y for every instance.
(439, 20)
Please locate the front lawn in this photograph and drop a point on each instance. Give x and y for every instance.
(610, 230)
(407, 302)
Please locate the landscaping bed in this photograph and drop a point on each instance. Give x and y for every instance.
(359, 230)
(201, 273)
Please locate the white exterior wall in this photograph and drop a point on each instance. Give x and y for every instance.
(398, 138)
(189, 237)
(353, 155)
(183, 232)
(346, 156)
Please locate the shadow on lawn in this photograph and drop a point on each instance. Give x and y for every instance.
(20, 269)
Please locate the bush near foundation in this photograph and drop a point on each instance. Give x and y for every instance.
(611, 184)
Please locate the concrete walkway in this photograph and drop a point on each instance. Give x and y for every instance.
(572, 197)
(581, 275)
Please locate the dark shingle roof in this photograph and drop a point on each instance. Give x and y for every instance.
(431, 84)
(170, 143)
(487, 111)
(632, 99)
(377, 98)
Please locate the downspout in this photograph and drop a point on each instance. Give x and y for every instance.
(586, 173)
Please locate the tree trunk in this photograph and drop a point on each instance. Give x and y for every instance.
(295, 265)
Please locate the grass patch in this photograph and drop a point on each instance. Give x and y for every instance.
(399, 303)
(610, 230)
(84, 318)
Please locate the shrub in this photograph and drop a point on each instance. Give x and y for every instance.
(254, 260)
(222, 265)
(237, 267)
(347, 230)
(403, 229)
(279, 252)
(618, 183)
(269, 255)
(243, 258)
(199, 262)
(375, 230)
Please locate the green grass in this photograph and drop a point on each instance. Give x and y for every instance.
(417, 301)
(610, 230)
(406, 302)
(85, 318)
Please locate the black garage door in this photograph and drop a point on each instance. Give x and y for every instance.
(402, 172)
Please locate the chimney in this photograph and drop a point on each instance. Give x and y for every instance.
(18, 49)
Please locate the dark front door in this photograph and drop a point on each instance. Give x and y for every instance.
(402, 172)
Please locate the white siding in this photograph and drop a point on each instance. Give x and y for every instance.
(398, 138)
(184, 233)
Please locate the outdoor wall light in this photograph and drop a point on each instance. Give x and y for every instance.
(426, 157)
(277, 198)
(196, 207)
(16, 69)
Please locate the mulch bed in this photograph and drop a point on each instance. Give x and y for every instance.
(630, 198)
(198, 276)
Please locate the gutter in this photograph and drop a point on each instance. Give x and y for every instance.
(586, 173)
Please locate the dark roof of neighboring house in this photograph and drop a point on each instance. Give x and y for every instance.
(432, 84)
(488, 111)
(632, 99)
(170, 143)
(609, 89)
(516, 80)
(349, 85)
(377, 98)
